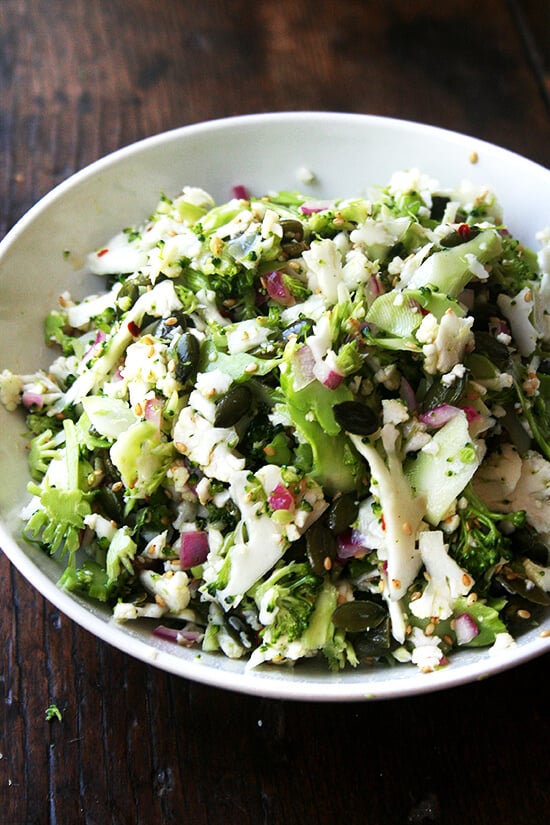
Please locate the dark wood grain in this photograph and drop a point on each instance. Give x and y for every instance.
(137, 746)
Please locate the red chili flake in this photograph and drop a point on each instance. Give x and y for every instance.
(464, 231)
(383, 521)
(102, 252)
(133, 329)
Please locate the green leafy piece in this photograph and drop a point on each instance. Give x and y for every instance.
(53, 712)
(90, 579)
(42, 449)
(60, 517)
(311, 410)
(55, 331)
(120, 554)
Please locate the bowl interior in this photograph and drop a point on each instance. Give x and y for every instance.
(44, 254)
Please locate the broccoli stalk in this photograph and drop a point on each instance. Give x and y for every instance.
(449, 270)
(480, 545)
(60, 516)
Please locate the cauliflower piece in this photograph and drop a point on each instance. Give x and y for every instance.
(246, 335)
(503, 490)
(497, 476)
(207, 446)
(444, 342)
(447, 580)
(11, 387)
(324, 265)
(426, 651)
(170, 590)
(402, 510)
(517, 311)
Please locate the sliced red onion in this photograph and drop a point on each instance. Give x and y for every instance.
(277, 290)
(240, 192)
(193, 548)
(327, 375)
(281, 498)
(181, 637)
(32, 399)
(311, 207)
(351, 545)
(374, 285)
(332, 380)
(153, 409)
(303, 364)
(408, 394)
(439, 416)
(471, 414)
(466, 629)
(94, 349)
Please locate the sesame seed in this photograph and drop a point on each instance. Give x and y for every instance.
(250, 368)
(396, 583)
(544, 634)
(524, 614)
(472, 598)
(171, 322)
(138, 409)
(118, 485)
(447, 639)
(416, 595)
(429, 629)
(474, 157)
(160, 601)
(327, 564)
(467, 580)
(407, 529)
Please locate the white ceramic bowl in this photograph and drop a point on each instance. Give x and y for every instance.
(347, 154)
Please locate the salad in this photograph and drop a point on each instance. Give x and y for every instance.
(287, 428)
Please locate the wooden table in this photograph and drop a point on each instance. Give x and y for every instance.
(79, 79)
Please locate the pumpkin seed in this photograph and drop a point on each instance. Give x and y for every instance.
(356, 418)
(233, 405)
(188, 351)
(342, 513)
(357, 616)
(321, 547)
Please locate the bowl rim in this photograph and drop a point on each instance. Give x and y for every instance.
(269, 684)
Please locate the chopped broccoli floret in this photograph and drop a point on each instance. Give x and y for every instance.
(479, 543)
(286, 600)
